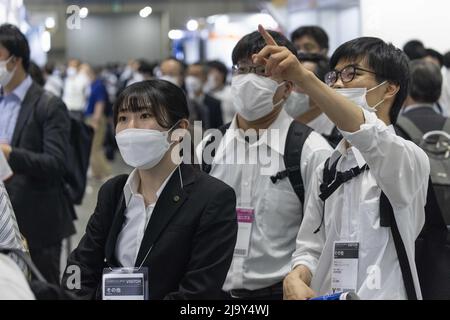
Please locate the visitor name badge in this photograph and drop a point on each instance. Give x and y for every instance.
(344, 276)
(125, 284)
(245, 217)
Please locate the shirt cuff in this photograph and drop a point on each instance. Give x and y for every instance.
(364, 138)
(307, 261)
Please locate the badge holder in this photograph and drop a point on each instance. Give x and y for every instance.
(125, 284)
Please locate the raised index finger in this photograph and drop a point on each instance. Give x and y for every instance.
(266, 36)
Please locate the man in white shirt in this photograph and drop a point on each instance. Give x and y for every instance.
(444, 101)
(348, 224)
(75, 89)
(268, 207)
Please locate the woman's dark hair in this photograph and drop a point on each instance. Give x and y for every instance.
(15, 42)
(426, 81)
(36, 74)
(315, 32)
(253, 43)
(388, 62)
(166, 101)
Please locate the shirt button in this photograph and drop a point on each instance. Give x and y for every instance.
(176, 198)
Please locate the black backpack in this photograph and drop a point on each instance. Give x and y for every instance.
(297, 135)
(78, 156)
(432, 254)
(438, 151)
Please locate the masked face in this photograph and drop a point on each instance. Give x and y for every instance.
(253, 95)
(359, 96)
(5, 75)
(193, 86)
(297, 104)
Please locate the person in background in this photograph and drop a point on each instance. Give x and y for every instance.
(53, 81)
(415, 49)
(424, 91)
(216, 85)
(172, 70)
(95, 115)
(434, 56)
(36, 148)
(75, 89)
(311, 39)
(207, 107)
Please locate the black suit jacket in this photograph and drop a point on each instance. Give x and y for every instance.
(209, 111)
(38, 157)
(192, 234)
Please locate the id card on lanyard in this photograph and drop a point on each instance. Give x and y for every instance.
(344, 273)
(245, 217)
(125, 284)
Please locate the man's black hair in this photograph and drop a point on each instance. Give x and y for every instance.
(388, 62)
(447, 60)
(315, 32)
(415, 49)
(253, 42)
(437, 55)
(13, 40)
(219, 66)
(426, 81)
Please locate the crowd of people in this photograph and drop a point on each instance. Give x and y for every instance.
(317, 172)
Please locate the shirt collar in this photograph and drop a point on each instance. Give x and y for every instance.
(134, 180)
(21, 90)
(277, 143)
(418, 105)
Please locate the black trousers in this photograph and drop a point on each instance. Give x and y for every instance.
(47, 260)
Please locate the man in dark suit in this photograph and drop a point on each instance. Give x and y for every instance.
(424, 92)
(208, 108)
(34, 137)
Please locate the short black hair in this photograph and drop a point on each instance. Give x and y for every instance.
(166, 101)
(16, 43)
(253, 42)
(388, 62)
(426, 81)
(437, 55)
(415, 49)
(219, 66)
(315, 32)
(447, 60)
(321, 61)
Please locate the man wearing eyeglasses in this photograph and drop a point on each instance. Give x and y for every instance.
(269, 187)
(346, 241)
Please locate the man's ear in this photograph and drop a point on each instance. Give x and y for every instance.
(289, 86)
(391, 90)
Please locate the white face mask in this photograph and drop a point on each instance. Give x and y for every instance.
(71, 71)
(193, 85)
(143, 148)
(171, 79)
(297, 104)
(358, 96)
(5, 75)
(253, 95)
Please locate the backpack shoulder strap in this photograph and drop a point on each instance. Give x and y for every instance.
(206, 167)
(410, 129)
(296, 138)
(386, 208)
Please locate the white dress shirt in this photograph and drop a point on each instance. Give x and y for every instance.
(444, 101)
(401, 170)
(137, 216)
(13, 284)
(278, 211)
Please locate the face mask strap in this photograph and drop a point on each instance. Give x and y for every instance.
(374, 108)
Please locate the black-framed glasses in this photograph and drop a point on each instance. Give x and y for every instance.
(239, 69)
(347, 75)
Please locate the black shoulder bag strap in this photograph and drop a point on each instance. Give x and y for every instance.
(296, 138)
(388, 220)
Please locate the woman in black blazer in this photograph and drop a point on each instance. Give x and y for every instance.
(168, 217)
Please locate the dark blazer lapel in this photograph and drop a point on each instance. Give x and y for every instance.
(116, 227)
(168, 204)
(28, 104)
